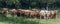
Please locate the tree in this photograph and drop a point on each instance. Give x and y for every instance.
(16, 2)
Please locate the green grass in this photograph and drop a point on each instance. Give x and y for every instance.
(22, 20)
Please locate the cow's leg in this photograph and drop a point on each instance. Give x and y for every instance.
(30, 15)
(40, 16)
(18, 14)
(54, 16)
(45, 16)
(48, 16)
(37, 16)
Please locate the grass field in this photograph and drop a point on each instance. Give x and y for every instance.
(22, 20)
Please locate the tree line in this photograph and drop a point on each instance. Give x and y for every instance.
(28, 4)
